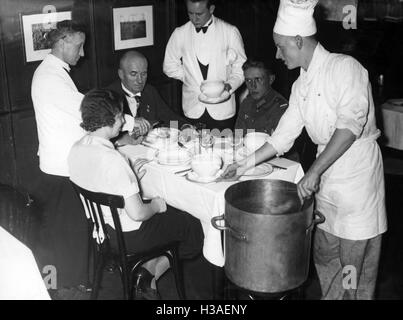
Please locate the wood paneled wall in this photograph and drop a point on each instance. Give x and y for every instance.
(18, 136)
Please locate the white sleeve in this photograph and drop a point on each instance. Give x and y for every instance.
(121, 178)
(353, 106)
(129, 123)
(289, 126)
(172, 65)
(236, 77)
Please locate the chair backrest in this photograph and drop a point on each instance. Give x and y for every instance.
(92, 203)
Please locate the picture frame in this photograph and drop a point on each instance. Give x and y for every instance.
(34, 28)
(133, 27)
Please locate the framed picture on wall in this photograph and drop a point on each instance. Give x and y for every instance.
(133, 27)
(34, 28)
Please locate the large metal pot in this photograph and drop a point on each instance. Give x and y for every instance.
(267, 235)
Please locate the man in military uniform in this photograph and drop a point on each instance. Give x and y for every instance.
(263, 107)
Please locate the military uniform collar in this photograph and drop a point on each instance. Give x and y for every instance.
(269, 96)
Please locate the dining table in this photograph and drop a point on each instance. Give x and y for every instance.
(20, 278)
(202, 200)
(392, 117)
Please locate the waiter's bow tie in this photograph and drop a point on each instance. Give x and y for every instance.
(204, 28)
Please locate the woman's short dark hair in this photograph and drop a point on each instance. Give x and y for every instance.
(99, 109)
(63, 29)
(251, 63)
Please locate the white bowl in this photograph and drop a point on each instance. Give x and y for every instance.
(212, 88)
(206, 164)
(254, 140)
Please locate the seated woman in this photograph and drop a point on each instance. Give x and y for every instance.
(96, 165)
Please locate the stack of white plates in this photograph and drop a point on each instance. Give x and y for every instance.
(173, 157)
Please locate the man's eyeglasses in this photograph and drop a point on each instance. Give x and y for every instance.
(257, 80)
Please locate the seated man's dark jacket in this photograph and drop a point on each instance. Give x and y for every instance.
(152, 107)
(263, 115)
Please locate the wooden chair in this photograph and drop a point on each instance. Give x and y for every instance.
(128, 263)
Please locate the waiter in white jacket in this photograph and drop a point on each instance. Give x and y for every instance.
(206, 48)
(332, 99)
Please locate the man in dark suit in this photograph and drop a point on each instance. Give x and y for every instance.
(141, 100)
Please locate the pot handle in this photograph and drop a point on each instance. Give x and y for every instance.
(319, 218)
(234, 232)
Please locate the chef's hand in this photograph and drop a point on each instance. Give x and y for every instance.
(308, 185)
(232, 172)
(227, 87)
(141, 126)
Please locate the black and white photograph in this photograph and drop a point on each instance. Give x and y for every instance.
(202, 154)
(35, 29)
(133, 27)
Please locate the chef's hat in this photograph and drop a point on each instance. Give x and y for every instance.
(295, 17)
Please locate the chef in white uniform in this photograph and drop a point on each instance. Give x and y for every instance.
(206, 48)
(332, 99)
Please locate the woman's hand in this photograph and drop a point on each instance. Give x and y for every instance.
(159, 204)
(137, 165)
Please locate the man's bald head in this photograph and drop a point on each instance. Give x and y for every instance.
(133, 71)
(131, 55)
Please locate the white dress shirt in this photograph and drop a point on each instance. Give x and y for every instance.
(203, 42)
(95, 165)
(131, 100)
(56, 103)
(335, 93)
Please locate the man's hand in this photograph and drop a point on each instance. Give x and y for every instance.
(232, 172)
(308, 185)
(160, 204)
(137, 165)
(141, 126)
(128, 139)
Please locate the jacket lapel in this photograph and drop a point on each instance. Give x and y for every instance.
(189, 44)
(126, 108)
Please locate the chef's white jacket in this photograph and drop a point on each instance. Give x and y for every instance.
(227, 56)
(335, 93)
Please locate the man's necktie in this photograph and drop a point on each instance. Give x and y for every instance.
(204, 28)
(138, 100)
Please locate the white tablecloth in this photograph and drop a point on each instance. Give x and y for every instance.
(392, 116)
(20, 278)
(203, 201)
